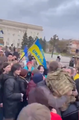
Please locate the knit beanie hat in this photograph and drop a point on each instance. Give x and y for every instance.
(35, 111)
(37, 78)
(55, 116)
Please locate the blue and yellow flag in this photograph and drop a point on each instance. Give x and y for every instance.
(24, 53)
(37, 51)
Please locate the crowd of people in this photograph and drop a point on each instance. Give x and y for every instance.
(28, 91)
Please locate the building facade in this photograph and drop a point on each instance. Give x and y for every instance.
(13, 32)
(73, 45)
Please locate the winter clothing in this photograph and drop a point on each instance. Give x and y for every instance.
(23, 87)
(3, 78)
(11, 97)
(1, 113)
(3, 59)
(32, 84)
(41, 94)
(72, 112)
(60, 83)
(77, 84)
(37, 78)
(45, 71)
(1, 91)
(35, 112)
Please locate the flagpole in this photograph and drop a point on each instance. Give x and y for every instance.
(21, 58)
(28, 50)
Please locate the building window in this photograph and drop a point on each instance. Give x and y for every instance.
(18, 40)
(18, 44)
(7, 43)
(37, 33)
(19, 31)
(8, 39)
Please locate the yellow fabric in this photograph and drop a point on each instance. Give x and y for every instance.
(35, 51)
(76, 76)
(22, 55)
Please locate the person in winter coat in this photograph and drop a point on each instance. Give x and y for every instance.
(37, 112)
(60, 83)
(5, 69)
(32, 84)
(42, 94)
(23, 83)
(42, 70)
(1, 92)
(12, 95)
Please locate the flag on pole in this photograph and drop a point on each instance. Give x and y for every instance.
(25, 53)
(37, 51)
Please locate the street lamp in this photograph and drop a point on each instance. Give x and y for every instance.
(55, 38)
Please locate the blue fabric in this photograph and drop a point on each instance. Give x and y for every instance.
(37, 78)
(40, 48)
(1, 113)
(27, 68)
(26, 53)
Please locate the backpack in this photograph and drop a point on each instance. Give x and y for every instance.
(59, 83)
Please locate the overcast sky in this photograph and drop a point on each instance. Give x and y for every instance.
(59, 17)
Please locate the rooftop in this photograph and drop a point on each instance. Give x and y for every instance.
(19, 24)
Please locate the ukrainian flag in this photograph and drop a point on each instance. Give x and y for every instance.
(37, 51)
(24, 53)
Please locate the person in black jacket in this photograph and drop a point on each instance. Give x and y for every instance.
(1, 99)
(12, 95)
(23, 87)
